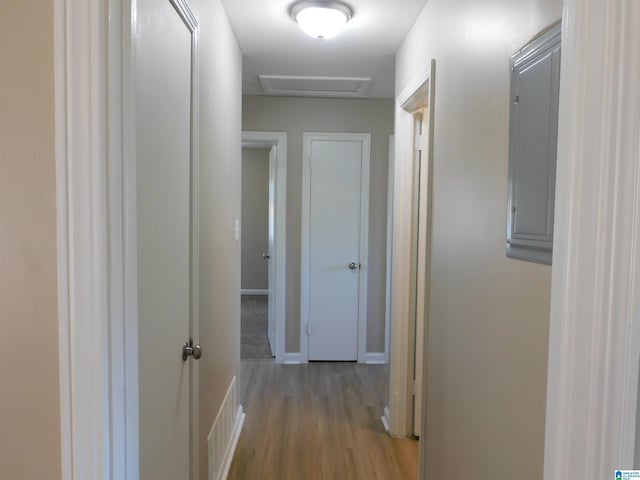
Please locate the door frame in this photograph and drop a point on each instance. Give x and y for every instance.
(389, 249)
(399, 416)
(594, 335)
(365, 140)
(98, 340)
(279, 140)
(96, 238)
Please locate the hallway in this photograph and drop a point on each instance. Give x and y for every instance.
(318, 421)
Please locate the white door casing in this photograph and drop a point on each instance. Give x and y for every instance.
(271, 315)
(166, 172)
(419, 92)
(421, 256)
(334, 235)
(96, 240)
(389, 263)
(277, 249)
(594, 336)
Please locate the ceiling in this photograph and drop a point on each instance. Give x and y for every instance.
(273, 44)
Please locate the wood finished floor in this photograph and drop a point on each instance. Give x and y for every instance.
(318, 421)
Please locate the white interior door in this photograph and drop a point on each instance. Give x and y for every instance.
(271, 256)
(163, 72)
(335, 242)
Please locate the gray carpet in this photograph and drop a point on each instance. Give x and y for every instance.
(254, 342)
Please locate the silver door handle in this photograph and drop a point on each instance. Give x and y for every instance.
(191, 350)
(266, 256)
(354, 265)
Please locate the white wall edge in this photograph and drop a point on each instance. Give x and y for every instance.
(594, 342)
(253, 291)
(293, 358)
(375, 358)
(279, 139)
(235, 436)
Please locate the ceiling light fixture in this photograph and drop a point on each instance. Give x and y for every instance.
(321, 19)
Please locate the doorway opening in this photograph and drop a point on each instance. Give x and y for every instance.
(263, 245)
(410, 277)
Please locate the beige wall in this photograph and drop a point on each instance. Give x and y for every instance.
(255, 218)
(29, 389)
(296, 116)
(487, 351)
(220, 140)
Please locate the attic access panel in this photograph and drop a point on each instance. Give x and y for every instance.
(301, 86)
(533, 138)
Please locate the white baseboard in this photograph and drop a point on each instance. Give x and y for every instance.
(385, 418)
(253, 291)
(293, 358)
(375, 358)
(224, 435)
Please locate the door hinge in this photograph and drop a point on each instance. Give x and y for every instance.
(413, 387)
(308, 329)
(418, 142)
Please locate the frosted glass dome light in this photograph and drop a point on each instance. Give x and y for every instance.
(321, 19)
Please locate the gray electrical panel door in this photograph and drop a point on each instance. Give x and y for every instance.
(533, 137)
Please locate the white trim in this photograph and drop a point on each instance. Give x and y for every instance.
(389, 254)
(233, 443)
(385, 419)
(253, 291)
(62, 224)
(365, 139)
(375, 358)
(594, 345)
(252, 139)
(294, 358)
(401, 366)
(123, 251)
(88, 429)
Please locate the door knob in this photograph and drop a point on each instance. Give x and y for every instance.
(266, 256)
(191, 350)
(353, 266)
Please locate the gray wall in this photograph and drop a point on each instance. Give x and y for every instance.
(255, 218)
(29, 402)
(489, 316)
(220, 145)
(296, 116)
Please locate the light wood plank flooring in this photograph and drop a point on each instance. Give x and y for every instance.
(318, 421)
